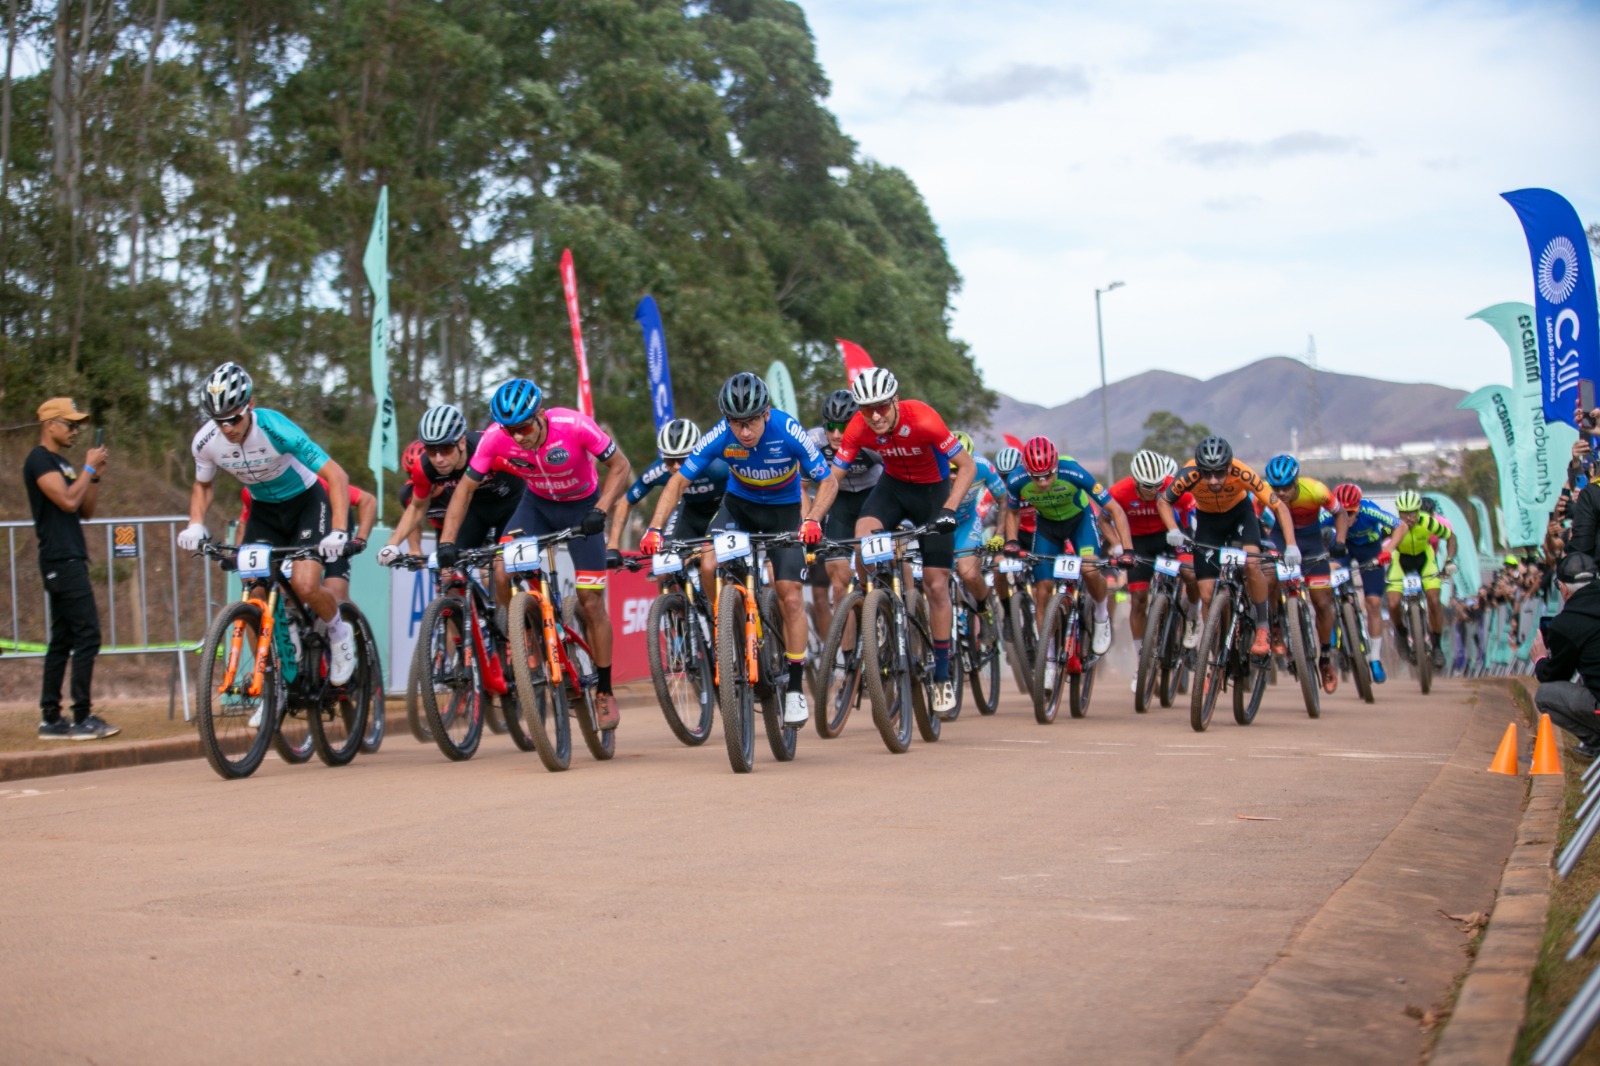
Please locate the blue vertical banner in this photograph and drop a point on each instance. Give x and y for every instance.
(655, 357)
(1567, 322)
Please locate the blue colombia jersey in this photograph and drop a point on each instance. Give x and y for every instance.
(986, 478)
(770, 471)
(1371, 524)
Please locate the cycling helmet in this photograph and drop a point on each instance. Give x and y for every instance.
(1149, 469)
(677, 438)
(227, 389)
(515, 403)
(838, 407)
(965, 439)
(1408, 500)
(744, 395)
(1169, 466)
(1006, 459)
(874, 385)
(1213, 455)
(1348, 495)
(1430, 505)
(412, 456)
(443, 424)
(1282, 471)
(1039, 455)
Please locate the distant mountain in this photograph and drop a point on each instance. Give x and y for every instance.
(1256, 407)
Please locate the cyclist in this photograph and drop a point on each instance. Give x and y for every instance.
(926, 474)
(1226, 493)
(1307, 499)
(447, 448)
(1006, 460)
(1136, 494)
(291, 509)
(698, 506)
(553, 451)
(410, 459)
(767, 453)
(1060, 490)
(1410, 552)
(1362, 543)
(970, 533)
(335, 575)
(840, 523)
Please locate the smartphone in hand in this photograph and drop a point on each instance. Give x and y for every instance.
(99, 436)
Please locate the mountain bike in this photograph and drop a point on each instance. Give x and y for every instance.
(1350, 630)
(1162, 655)
(1020, 626)
(896, 646)
(273, 667)
(1065, 649)
(1299, 620)
(1414, 608)
(838, 689)
(1223, 656)
(551, 663)
(679, 645)
(917, 607)
(976, 639)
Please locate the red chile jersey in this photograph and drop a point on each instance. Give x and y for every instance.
(918, 450)
(1143, 517)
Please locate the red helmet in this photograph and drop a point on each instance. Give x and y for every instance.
(1039, 456)
(411, 456)
(1348, 495)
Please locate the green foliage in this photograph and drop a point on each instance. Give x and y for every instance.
(202, 190)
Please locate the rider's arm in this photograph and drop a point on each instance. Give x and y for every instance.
(619, 473)
(338, 494)
(200, 501)
(671, 493)
(411, 518)
(457, 511)
(1169, 517)
(1119, 519)
(366, 513)
(963, 470)
(827, 492)
(1341, 524)
(1280, 511)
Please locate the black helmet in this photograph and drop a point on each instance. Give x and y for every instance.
(743, 396)
(839, 406)
(1213, 454)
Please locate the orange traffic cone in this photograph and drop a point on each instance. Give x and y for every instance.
(1505, 757)
(1546, 757)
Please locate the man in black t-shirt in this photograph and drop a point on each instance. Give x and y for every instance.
(59, 497)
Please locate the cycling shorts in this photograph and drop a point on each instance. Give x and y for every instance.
(536, 516)
(1239, 524)
(1309, 540)
(840, 523)
(1052, 538)
(1146, 546)
(893, 501)
(788, 564)
(1364, 557)
(688, 521)
(298, 522)
(1424, 563)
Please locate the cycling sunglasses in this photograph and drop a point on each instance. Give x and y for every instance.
(232, 420)
(836, 427)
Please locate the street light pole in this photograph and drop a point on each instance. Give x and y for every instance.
(1105, 416)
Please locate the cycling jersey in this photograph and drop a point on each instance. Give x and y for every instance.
(1240, 483)
(1064, 498)
(501, 486)
(770, 471)
(1307, 500)
(986, 478)
(917, 450)
(1414, 541)
(561, 469)
(703, 492)
(276, 458)
(862, 474)
(1144, 517)
(1371, 525)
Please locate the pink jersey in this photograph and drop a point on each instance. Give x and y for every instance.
(561, 469)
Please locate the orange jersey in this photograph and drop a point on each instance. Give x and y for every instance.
(1240, 483)
(1308, 497)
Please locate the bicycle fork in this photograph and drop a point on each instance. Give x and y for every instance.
(492, 672)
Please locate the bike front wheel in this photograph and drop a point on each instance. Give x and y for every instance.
(541, 707)
(1050, 664)
(232, 745)
(1297, 622)
(449, 686)
(339, 725)
(679, 669)
(1211, 661)
(885, 673)
(735, 698)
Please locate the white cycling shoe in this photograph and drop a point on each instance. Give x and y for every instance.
(794, 709)
(944, 699)
(1101, 642)
(342, 656)
(1191, 630)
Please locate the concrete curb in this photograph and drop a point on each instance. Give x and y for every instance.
(94, 755)
(1493, 1001)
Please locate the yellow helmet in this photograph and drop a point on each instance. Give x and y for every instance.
(966, 442)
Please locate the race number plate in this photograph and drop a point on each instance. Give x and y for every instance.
(1010, 566)
(878, 548)
(286, 568)
(1411, 583)
(1068, 567)
(522, 556)
(916, 571)
(1340, 576)
(666, 563)
(1168, 564)
(433, 560)
(734, 544)
(1288, 573)
(255, 561)
(1231, 556)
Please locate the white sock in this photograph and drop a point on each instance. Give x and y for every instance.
(1375, 646)
(338, 629)
(1138, 646)
(1101, 610)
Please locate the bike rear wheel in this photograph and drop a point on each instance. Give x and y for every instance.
(451, 690)
(582, 695)
(839, 686)
(983, 658)
(1421, 648)
(885, 673)
(679, 668)
(1303, 656)
(1148, 678)
(1355, 650)
(780, 738)
(919, 661)
(541, 707)
(231, 746)
(339, 725)
(1210, 662)
(735, 698)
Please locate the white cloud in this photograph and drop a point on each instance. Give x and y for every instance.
(1255, 172)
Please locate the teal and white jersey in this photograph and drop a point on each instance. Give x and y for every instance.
(277, 460)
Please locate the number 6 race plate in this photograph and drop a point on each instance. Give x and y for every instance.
(522, 555)
(1166, 564)
(255, 561)
(732, 545)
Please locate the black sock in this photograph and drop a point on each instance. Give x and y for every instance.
(1261, 612)
(797, 675)
(605, 678)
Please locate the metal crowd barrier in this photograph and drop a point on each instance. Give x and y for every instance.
(131, 549)
(1572, 1030)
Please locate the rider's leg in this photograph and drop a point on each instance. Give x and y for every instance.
(792, 605)
(1137, 612)
(1322, 601)
(1435, 613)
(306, 578)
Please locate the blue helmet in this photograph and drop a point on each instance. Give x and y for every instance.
(1282, 470)
(515, 403)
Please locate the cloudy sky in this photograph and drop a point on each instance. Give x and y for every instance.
(1255, 171)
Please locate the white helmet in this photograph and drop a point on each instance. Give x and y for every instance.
(443, 424)
(1169, 466)
(1006, 459)
(874, 385)
(677, 438)
(1148, 469)
(226, 390)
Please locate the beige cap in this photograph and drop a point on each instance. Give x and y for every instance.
(60, 407)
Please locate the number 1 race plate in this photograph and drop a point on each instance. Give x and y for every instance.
(522, 555)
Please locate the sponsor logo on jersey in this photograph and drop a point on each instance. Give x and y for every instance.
(305, 534)
(905, 431)
(733, 451)
(557, 455)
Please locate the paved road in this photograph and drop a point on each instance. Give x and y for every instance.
(1088, 891)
